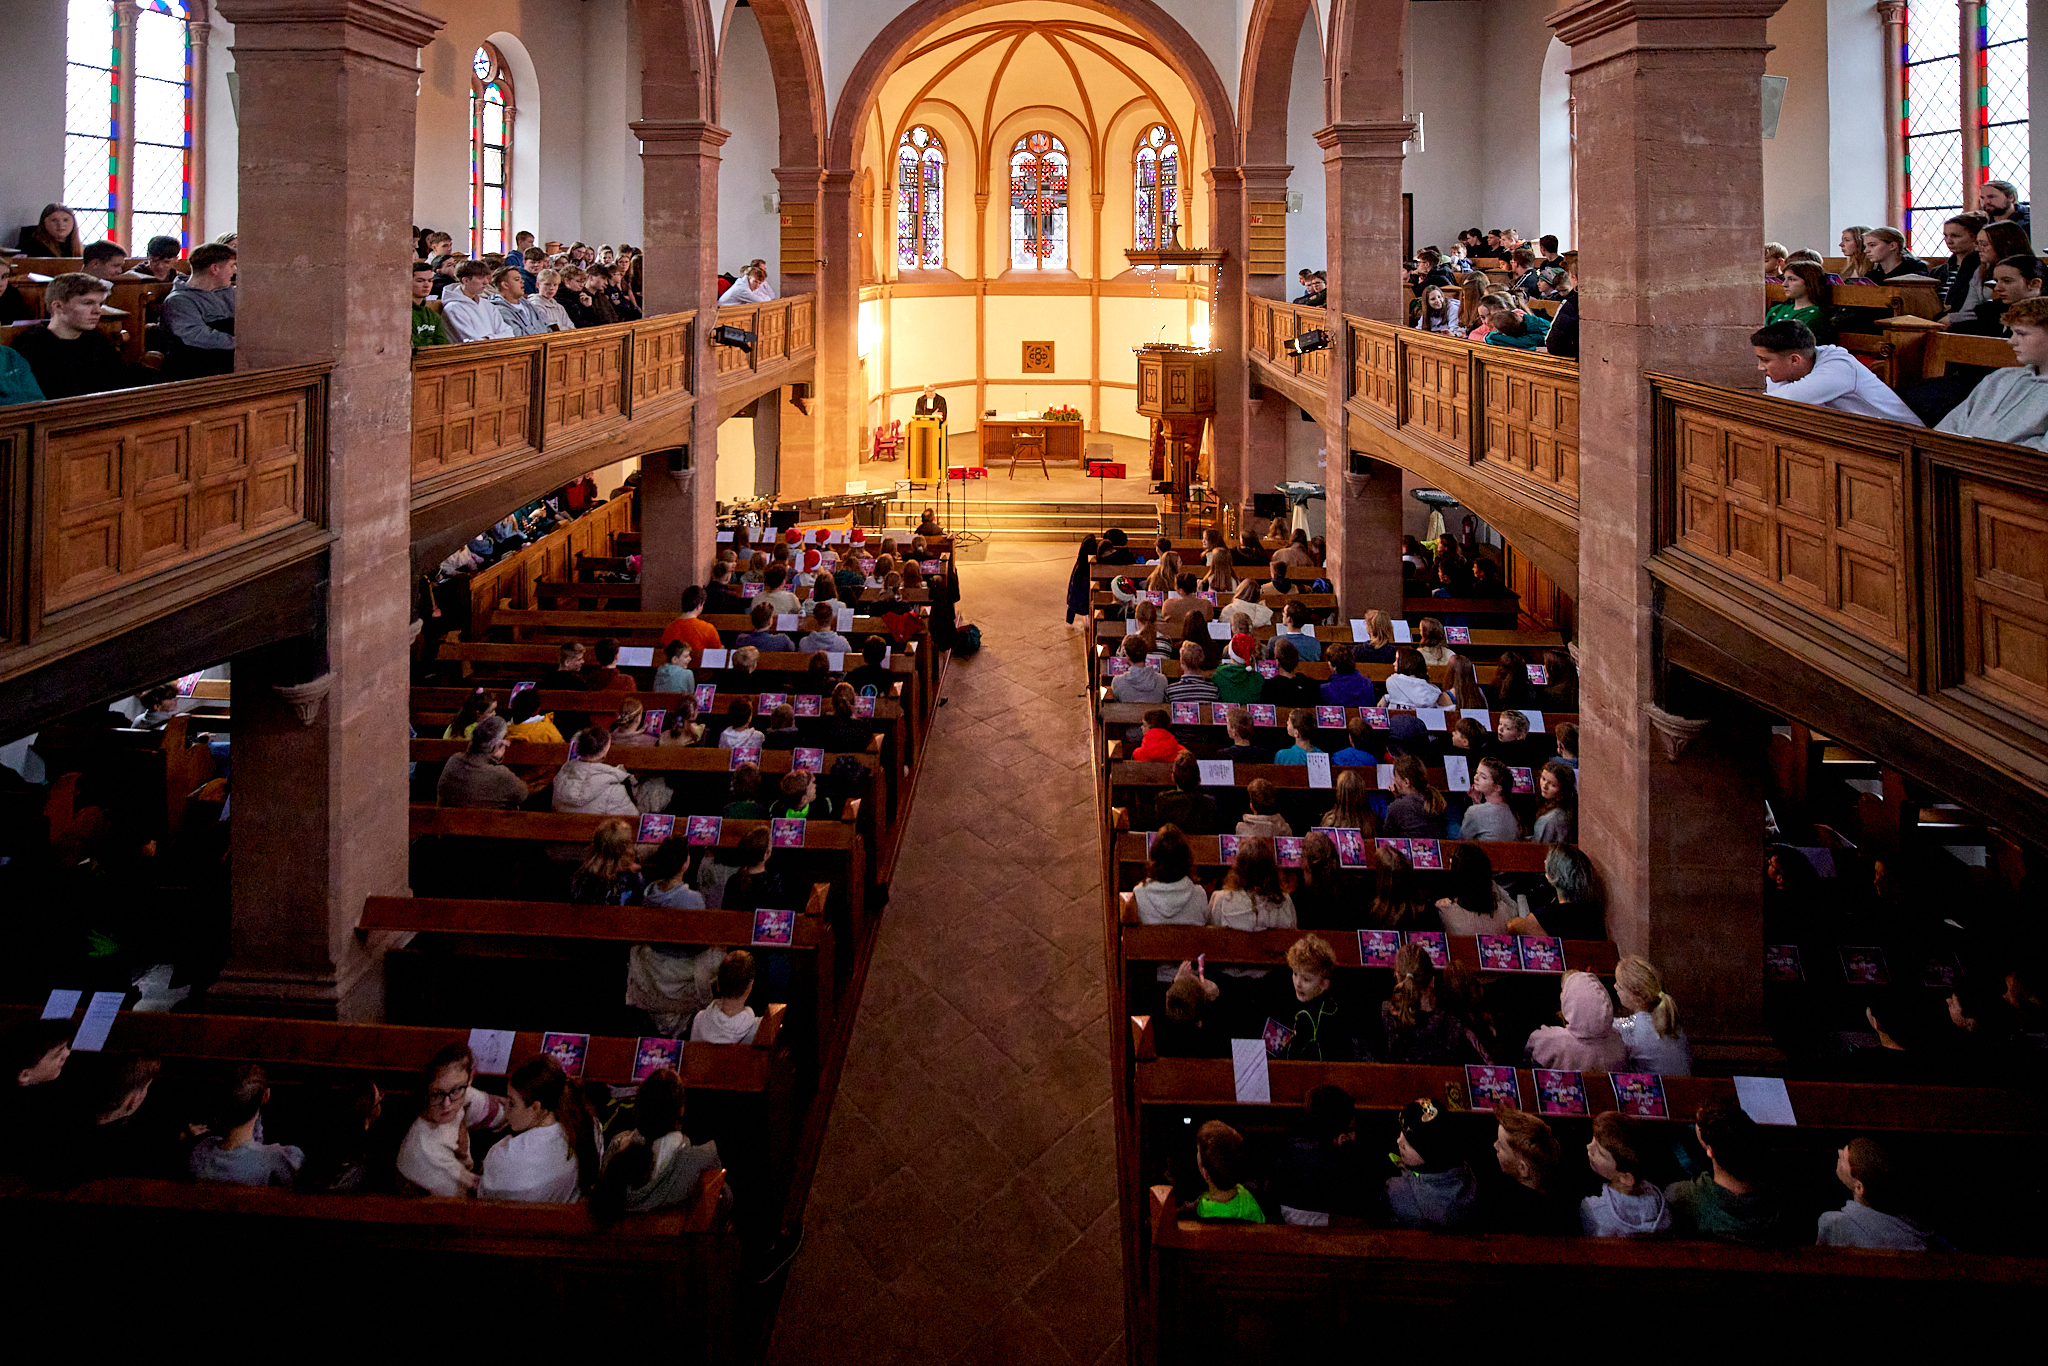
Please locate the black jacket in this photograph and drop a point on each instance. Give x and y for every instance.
(1563, 337)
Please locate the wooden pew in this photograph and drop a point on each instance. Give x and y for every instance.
(556, 593)
(833, 851)
(465, 933)
(1268, 948)
(1213, 716)
(1506, 856)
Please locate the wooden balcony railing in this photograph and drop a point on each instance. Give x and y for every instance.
(124, 507)
(1902, 560)
(508, 401)
(1514, 412)
(782, 331)
(1273, 322)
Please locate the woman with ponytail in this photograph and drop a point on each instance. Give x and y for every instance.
(1650, 1029)
(1413, 1025)
(1417, 811)
(652, 1165)
(553, 1141)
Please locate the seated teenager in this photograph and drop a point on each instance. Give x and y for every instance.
(2011, 404)
(610, 872)
(1142, 682)
(1729, 1203)
(1351, 806)
(1241, 750)
(1169, 895)
(1251, 897)
(435, 1154)
(763, 636)
(1417, 1027)
(652, 1165)
(629, 727)
(782, 732)
(1378, 645)
(1567, 738)
(1627, 1206)
(1220, 1158)
(775, 592)
(1418, 810)
(1533, 1198)
(1235, 679)
(1435, 1188)
(800, 800)
(1574, 914)
(871, 677)
(1490, 817)
(739, 731)
(1246, 600)
(1193, 685)
(1889, 259)
(67, 352)
(1289, 688)
(1476, 903)
(1648, 1024)
(1159, 744)
(744, 795)
(1301, 725)
(1557, 820)
(1326, 1023)
(1872, 1217)
(1358, 734)
(728, 1019)
(552, 1145)
(1586, 1041)
(1293, 631)
(1326, 893)
(1409, 684)
(478, 777)
(1264, 820)
(586, 784)
(1185, 804)
(1797, 368)
(233, 1150)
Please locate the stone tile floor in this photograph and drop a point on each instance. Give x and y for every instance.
(964, 1208)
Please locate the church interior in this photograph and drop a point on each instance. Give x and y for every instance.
(939, 718)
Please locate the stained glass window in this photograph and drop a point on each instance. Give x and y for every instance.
(1158, 187)
(491, 111)
(1992, 37)
(1038, 202)
(92, 124)
(163, 124)
(920, 200)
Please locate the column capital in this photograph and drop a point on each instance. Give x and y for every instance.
(1224, 175)
(1373, 138)
(1681, 24)
(1266, 175)
(798, 183)
(397, 29)
(836, 181)
(678, 137)
(1891, 11)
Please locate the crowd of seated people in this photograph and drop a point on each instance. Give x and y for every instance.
(75, 1117)
(1716, 1179)
(521, 293)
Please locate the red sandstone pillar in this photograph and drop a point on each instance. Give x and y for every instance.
(799, 186)
(1228, 466)
(839, 399)
(678, 508)
(1670, 167)
(328, 89)
(1362, 163)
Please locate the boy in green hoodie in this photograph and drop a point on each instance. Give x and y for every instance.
(429, 328)
(1219, 1153)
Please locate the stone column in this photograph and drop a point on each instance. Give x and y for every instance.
(1678, 854)
(799, 186)
(328, 89)
(1266, 184)
(839, 400)
(1228, 469)
(678, 509)
(1362, 168)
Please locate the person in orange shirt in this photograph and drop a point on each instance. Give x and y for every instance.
(690, 627)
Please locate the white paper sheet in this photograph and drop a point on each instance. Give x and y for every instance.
(835, 660)
(785, 621)
(493, 1049)
(716, 659)
(1217, 772)
(1218, 630)
(1401, 636)
(62, 1005)
(1385, 777)
(1319, 770)
(842, 617)
(1132, 626)
(1484, 718)
(1248, 1063)
(1359, 630)
(99, 1019)
(1765, 1099)
(1457, 773)
(636, 656)
(1434, 718)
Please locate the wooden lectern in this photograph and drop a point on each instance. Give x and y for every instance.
(1177, 390)
(925, 438)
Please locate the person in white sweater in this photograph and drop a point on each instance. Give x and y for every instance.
(470, 315)
(543, 1161)
(1251, 897)
(1795, 367)
(435, 1152)
(2011, 404)
(1649, 1028)
(729, 1019)
(1169, 895)
(1627, 1205)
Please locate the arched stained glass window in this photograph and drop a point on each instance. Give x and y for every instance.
(1158, 187)
(920, 200)
(1038, 202)
(152, 158)
(1962, 73)
(491, 113)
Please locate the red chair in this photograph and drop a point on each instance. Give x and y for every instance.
(887, 442)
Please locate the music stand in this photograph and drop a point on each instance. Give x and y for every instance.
(961, 536)
(1102, 471)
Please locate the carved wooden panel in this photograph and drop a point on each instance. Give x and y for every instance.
(1037, 358)
(801, 338)
(1439, 397)
(661, 360)
(582, 379)
(2003, 572)
(1822, 526)
(1260, 341)
(771, 340)
(799, 250)
(1376, 355)
(1531, 422)
(128, 500)
(471, 411)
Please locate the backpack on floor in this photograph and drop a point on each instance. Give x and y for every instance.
(966, 641)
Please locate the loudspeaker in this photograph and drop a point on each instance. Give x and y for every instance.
(1269, 505)
(782, 519)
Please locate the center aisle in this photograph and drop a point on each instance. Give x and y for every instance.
(964, 1207)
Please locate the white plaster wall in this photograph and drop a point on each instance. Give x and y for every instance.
(32, 111)
(223, 140)
(1009, 320)
(1797, 190)
(931, 341)
(735, 474)
(609, 184)
(1305, 442)
(1307, 231)
(1510, 55)
(1854, 119)
(1446, 176)
(746, 174)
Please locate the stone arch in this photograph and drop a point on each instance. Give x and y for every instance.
(1266, 75)
(799, 76)
(1365, 60)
